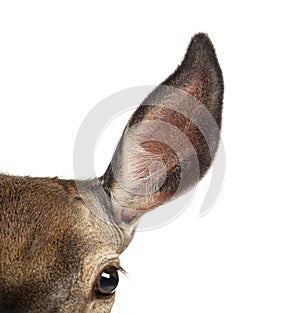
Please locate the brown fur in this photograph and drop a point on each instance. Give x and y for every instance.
(50, 243)
(56, 235)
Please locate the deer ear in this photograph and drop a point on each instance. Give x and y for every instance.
(171, 139)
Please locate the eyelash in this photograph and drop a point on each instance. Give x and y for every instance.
(121, 270)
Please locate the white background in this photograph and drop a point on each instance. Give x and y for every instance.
(58, 59)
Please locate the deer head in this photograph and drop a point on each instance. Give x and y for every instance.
(60, 240)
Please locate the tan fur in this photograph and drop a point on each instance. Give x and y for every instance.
(57, 236)
(52, 246)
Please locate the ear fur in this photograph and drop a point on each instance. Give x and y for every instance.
(171, 139)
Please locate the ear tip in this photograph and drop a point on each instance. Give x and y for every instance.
(201, 53)
(200, 36)
(201, 42)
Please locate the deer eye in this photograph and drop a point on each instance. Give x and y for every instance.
(107, 282)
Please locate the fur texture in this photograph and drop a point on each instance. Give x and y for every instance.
(56, 236)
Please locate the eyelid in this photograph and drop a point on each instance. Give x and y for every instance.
(105, 261)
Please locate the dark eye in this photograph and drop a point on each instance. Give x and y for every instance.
(107, 282)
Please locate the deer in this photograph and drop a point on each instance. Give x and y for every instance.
(61, 239)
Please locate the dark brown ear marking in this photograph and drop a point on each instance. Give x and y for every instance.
(171, 139)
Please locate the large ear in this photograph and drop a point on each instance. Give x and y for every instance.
(171, 139)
